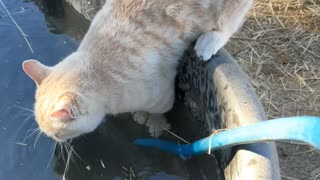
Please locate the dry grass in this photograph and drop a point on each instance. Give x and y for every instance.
(279, 48)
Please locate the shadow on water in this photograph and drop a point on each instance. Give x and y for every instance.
(54, 30)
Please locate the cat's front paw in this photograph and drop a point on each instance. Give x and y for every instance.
(157, 123)
(141, 117)
(208, 44)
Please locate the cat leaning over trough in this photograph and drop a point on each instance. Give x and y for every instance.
(127, 63)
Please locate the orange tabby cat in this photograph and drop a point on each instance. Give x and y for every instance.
(127, 62)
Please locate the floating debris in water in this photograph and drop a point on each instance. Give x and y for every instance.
(102, 164)
(18, 27)
(21, 144)
(88, 168)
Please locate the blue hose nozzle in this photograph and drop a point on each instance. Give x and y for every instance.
(302, 128)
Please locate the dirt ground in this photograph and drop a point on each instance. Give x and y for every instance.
(279, 48)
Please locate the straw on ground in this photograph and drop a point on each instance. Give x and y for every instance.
(279, 48)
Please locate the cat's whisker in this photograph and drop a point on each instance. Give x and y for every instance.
(24, 116)
(25, 109)
(68, 148)
(67, 164)
(72, 155)
(37, 139)
(61, 152)
(72, 149)
(32, 133)
(27, 114)
(53, 149)
(24, 113)
(33, 129)
(28, 118)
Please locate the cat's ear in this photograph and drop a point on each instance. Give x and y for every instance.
(63, 112)
(35, 70)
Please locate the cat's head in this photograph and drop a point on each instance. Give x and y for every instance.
(64, 107)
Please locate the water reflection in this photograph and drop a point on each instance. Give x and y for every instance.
(63, 19)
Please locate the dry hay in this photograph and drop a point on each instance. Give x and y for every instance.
(279, 48)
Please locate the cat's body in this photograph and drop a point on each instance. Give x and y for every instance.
(127, 62)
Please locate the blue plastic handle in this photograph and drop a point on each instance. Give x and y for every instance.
(303, 128)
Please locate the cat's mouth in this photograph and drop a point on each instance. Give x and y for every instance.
(56, 138)
(63, 138)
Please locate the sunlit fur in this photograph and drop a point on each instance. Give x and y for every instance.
(127, 60)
